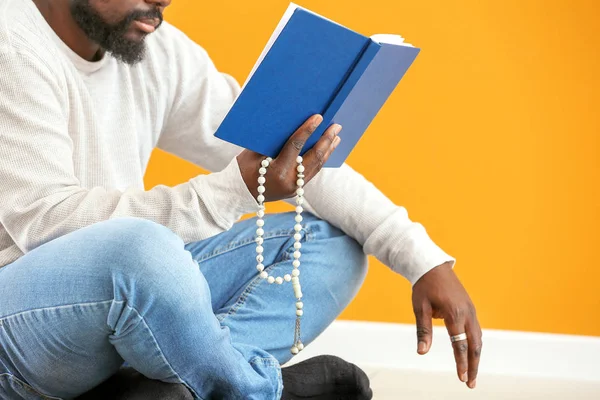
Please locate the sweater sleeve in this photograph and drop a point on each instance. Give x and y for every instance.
(347, 200)
(41, 196)
(340, 196)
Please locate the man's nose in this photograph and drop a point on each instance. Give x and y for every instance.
(162, 4)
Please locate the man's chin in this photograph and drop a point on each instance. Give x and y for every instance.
(135, 36)
(131, 56)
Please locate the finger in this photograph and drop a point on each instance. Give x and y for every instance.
(475, 346)
(424, 316)
(316, 157)
(296, 142)
(461, 348)
(332, 146)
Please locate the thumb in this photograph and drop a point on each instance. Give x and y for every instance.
(423, 315)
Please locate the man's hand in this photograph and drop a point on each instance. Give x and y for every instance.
(439, 294)
(281, 175)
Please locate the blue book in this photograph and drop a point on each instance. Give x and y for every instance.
(313, 65)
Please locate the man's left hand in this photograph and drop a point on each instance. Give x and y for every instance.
(439, 294)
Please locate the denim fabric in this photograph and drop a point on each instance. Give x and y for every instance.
(128, 290)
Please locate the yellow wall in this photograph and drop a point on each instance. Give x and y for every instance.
(491, 140)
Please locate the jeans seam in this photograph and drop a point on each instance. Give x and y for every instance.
(29, 387)
(92, 304)
(14, 315)
(142, 319)
(309, 235)
(265, 360)
(241, 243)
(269, 361)
(247, 292)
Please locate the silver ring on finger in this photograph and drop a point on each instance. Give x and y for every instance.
(458, 338)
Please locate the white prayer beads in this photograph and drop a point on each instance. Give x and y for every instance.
(294, 277)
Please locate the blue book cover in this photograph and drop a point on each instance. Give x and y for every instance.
(313, 65)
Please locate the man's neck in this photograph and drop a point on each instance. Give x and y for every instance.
(58, 15)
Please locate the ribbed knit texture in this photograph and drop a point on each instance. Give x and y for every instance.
(76, 137)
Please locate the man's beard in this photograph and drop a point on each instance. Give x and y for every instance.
(111, 37)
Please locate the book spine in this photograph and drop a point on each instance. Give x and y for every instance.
(352, 77)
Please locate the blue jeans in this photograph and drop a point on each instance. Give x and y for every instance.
(128, 290)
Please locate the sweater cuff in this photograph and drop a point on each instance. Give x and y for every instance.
(407, 248)
(225, 195)
(418, 254)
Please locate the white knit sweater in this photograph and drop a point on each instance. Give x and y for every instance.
(76, 137)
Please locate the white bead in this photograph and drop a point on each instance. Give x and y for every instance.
(298, 292)
(269, 159)
(300, 346)
(265, 163)
(297, 227)
(297, 236)
(264, 275)
(299, 209)
(260, 213)
(259, 249)
(279, 280)
(300, 168)
(297, 245)
(300, 192)
(270, 279)
(261, 189)
(287, 277)
(260, 198)
(260, 223)
(259, 240)
(299, 159)
(299, 313)
(294, 350)
(260, 267)
(295, 279)
(297, 254)
(299, 305)
(260, 258)
(299, 201)
(260, 232)
(262, 171)
(298, 218)
(295, 273)
(296, 263)
(262, 179)
(300, 182)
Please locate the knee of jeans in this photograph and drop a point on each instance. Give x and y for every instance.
(343, 262)
(353, 259)
(136, 247)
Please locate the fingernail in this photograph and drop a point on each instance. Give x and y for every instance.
(337, 129)
(422, 347)
(336, 141)
(473, 384)
(464, 377)
(317, 119)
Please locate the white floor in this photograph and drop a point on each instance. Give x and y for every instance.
(396, 384)
(514, 365)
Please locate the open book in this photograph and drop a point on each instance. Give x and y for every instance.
(312, 65)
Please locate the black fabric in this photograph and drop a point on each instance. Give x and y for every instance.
(129, 384)
(319, 378)
(325, 378)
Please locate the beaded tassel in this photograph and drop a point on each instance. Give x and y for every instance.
(294, 277)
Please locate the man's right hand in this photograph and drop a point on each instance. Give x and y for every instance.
(281, 175)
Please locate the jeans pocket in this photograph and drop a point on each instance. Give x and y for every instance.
(14, 389)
